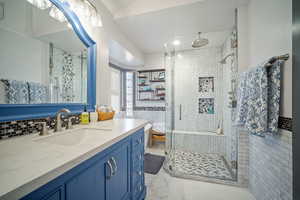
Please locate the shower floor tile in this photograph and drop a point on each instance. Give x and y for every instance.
(201, 164)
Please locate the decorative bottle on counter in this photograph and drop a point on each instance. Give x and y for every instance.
(84, 117)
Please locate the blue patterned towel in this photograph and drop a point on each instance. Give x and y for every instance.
(258, 99)
(274, 87)
(38, 93)
(16, 92)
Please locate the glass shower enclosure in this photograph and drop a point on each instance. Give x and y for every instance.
(201, 143)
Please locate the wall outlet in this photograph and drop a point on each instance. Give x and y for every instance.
(1, 11)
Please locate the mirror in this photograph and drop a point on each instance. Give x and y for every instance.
(42, 60)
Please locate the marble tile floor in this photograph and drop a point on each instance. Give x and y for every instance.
(165, 187)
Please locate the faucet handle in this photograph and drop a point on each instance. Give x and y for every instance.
(44, 130)
(69, 124)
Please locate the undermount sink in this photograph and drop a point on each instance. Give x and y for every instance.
(71, 137)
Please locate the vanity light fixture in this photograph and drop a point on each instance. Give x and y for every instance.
(41, 4)
(57, 14)
(84, 9)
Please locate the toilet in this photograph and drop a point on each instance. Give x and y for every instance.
(146, 132)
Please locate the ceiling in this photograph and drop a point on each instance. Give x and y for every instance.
(149, 31)
(123, 8)
(120, 56)
(116, 5)
(65, 40)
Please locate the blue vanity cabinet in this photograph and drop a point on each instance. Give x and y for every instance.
(88, 184)
(107, 179)
(55, 195)
(118, 185)
(137, 178)
(116, 173)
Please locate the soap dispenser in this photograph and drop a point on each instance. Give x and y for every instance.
(84, 117)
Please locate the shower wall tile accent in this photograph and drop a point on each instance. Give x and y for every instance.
(149, 108)
(206, 84)
(187, 70)
(200, 142)
(270, 169)
(243, 158)
(26, 127)
(206, 105)
(68, 77)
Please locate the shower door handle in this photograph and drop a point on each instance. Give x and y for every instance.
(180, 112)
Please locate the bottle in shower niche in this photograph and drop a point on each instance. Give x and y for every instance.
(85, 117)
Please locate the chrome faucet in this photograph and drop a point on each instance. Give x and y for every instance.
(58, 126)
(44, 130)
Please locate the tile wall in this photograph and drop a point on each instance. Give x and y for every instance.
(25, 127)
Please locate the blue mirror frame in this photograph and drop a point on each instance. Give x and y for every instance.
(12, 112)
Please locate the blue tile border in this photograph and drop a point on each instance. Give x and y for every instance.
(149, 108)
(285, 123)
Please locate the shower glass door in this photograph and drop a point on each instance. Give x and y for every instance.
(199, 145)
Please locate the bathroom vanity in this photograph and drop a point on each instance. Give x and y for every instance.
(48, 64)
(102, 161)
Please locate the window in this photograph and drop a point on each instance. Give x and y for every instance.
(115, 89)
(122, 90)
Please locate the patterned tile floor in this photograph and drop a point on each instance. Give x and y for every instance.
(191, 164)
(162, 186)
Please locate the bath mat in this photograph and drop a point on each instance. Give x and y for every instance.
(153, 163)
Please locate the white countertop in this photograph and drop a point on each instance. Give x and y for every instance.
(26, 164)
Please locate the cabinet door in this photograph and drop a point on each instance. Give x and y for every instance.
(89, 184)
(57, 195)
(118, 186)
(46, 193)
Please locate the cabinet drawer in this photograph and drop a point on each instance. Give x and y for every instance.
(137, 175)
(138, 156)
(138, 141)
(137, 190)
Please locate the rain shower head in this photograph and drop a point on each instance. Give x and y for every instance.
(200, 42)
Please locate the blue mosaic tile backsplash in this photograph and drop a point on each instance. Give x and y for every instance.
(25, 127)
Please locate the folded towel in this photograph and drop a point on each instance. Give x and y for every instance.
(16, 91)
(38, 93)
(259, 98)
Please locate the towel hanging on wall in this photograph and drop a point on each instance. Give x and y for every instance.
(259, 98)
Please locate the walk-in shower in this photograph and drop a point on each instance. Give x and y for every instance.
(201, 142)
(68, 75)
